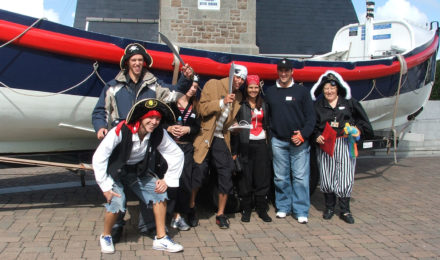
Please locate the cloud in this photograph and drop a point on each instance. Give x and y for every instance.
(398, 9)
(401, 9)
(34, 8)
(51, 15)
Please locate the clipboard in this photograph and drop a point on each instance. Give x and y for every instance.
(329, 135)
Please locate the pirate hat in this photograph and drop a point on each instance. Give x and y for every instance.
(334, 79)
(133, 49)
(145, 106)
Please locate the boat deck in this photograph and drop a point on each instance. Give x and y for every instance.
(395, 208)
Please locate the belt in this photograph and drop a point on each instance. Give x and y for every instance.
(181, 142)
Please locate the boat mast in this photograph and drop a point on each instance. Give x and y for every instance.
(369, 29)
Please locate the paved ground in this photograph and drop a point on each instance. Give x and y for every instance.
(396, 208)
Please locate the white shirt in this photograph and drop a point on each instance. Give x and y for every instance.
(168, 149)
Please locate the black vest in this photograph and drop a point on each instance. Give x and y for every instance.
(153, 162)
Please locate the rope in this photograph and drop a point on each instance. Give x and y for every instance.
(403, 70)
(95, 71)
(25, 31)
(371, 90)
(95, 67)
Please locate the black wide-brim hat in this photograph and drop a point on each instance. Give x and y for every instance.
(143, 106)
(336, 80)
(133, 49)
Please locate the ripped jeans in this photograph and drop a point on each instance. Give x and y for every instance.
(143, 187)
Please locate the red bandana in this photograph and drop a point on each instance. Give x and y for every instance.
(134, 127)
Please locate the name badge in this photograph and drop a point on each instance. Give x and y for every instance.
(334, 124)
(341, 108)
(288, 98)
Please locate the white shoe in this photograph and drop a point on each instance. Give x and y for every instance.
(303, 220)
(107, 246)
(281, 214)
(167, 244)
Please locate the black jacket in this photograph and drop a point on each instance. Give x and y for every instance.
(350, 111)
(193, 121)
(240, 142)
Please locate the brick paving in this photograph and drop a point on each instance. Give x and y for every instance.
(396, 208)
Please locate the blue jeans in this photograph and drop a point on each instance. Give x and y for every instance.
(142, 187)
(292, 172)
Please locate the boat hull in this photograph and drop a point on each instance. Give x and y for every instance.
(51, 77)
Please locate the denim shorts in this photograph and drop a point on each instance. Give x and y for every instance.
(143, 187)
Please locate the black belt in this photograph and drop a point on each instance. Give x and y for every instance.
(260, 141)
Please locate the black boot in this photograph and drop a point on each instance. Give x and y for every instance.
(330, 202)
(246, 208)
(345, 215)
(261, 207)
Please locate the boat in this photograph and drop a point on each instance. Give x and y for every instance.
(51, 75)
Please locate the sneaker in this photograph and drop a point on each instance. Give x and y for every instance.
(107, 246)
(303, 220)
(166, 244)
(180, 224)
(193, 220)
(222, 221)
(281, 214)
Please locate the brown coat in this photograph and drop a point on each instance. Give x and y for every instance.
(209, 110)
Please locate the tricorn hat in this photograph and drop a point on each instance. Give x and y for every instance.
(333, 78)
(133, 49)
(144, 106)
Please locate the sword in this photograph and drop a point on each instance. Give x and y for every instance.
(231, 77)
(171, 46)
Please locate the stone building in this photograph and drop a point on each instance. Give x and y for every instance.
(239, 26)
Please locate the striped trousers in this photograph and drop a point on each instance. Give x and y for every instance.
(337, 172)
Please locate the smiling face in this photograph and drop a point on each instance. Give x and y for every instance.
(285, 76)
(135, 64)
(149, 124)
(192, 90)
(253, 90)
(238, 81)
(330, 92)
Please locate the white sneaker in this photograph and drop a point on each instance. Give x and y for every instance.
(167, 244)
(281, 214)
(303, 220)
(107, 246)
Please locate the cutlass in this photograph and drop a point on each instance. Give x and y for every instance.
(172, 48)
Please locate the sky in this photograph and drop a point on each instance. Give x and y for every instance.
(63, 11)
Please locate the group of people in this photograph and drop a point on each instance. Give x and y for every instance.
(161, 143)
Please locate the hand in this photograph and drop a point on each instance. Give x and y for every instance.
(102, 132)
(187, 71)
(229, 98)
(297, 138)
(161, 186)
(236, 130)
(110, 194)
(320, 139)
(174, 130)
(178, 130)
